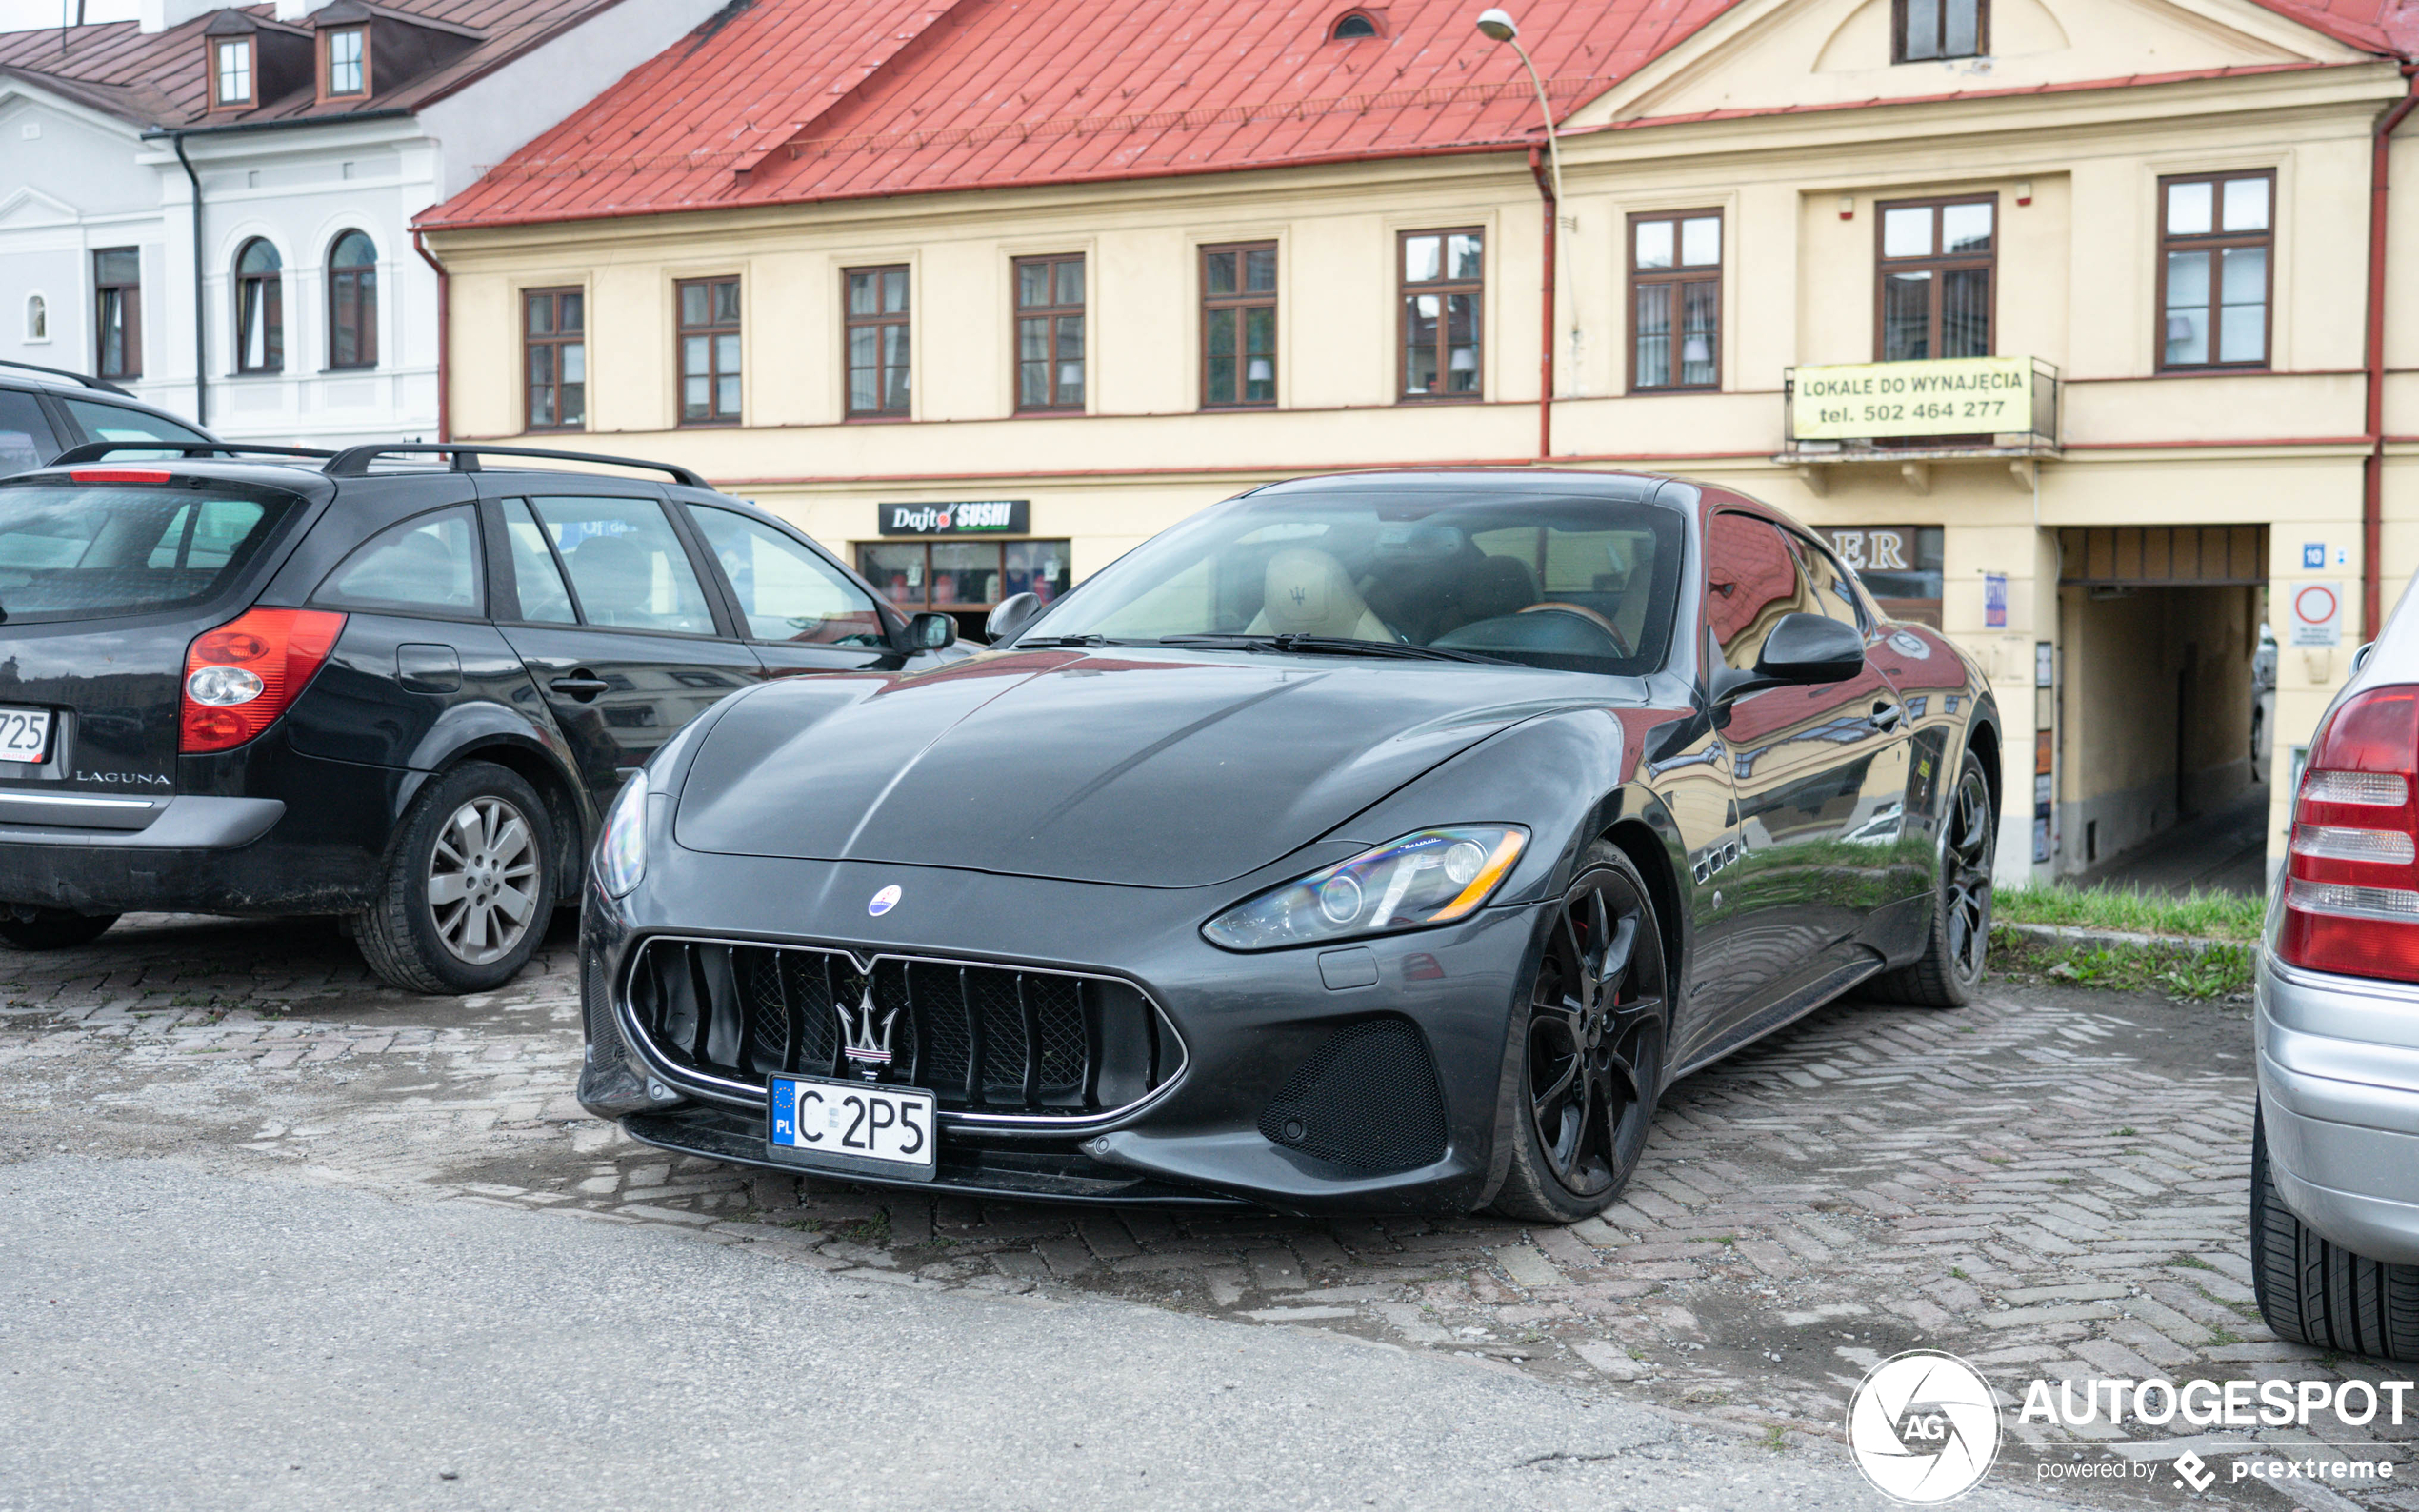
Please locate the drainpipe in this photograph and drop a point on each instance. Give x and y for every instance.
(1547, 187)
(2372, 467)
(201, 323)
(445, 338)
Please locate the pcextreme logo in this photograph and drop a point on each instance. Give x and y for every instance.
(1922, 1427)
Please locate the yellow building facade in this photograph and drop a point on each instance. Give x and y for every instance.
(2162, 208)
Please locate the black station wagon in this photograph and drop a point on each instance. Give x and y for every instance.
(390, 684)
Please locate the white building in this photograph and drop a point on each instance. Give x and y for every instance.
(314, 130)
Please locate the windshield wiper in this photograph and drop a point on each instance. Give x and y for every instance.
(1335, 645)
(1031, 641)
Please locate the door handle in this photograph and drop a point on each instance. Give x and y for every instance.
(582, 685)
(1887, 715)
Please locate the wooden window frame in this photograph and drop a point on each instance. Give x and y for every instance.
(364, 278)
(1675, 276)
(1898, 34)
(131, 297)
(556, 340)
(877, 322)
(2215, 241)
(1051, 313)
(212, 46)
(274, 316)
(1938, 264)
(325, 48)
(1241, 300)
(710, 330)
(1406, 290)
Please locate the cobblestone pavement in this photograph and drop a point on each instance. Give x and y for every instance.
(2050, 1183)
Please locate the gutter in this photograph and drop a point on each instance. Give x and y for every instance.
(2372, 467)
(225, 127)
(201, 322)
(445, 337)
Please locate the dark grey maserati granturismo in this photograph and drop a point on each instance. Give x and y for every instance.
(1381, 841)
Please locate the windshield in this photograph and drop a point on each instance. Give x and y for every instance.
(1574, 584)
(73, 554)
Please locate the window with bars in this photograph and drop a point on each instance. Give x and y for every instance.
(708, 336)
(1239, 325)
(1444, 285)
(1922, 30)
(877, 317)
(1675, 300)
(352, 301)
(345, 61)
(555, 363)
(1936, 261)
(2215, 238)
(117, 299)
(1049, 333)
(260, 309)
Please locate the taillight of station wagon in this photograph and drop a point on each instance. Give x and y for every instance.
(2351, 882)
(240, 677)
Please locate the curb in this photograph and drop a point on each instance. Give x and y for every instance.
(2070, 934)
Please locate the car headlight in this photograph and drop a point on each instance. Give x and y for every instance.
(621, 851)
(1434, 876)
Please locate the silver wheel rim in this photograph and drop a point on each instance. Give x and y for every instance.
(481, 881)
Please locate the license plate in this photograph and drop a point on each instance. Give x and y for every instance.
(24, 734)
(859, 1126)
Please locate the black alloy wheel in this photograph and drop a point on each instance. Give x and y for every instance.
(1593, 1044)
(1949, 972)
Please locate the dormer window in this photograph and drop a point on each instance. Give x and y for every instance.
(1929, 31)
(232, 72)
(1352, 25)
(346, 54)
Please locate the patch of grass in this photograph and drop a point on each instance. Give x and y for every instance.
(1775, 1438)
(875, 1231)
(2126, 1134)
(2178, 972)
(2201, 915)
(2183, 1262)
(2219, 1338)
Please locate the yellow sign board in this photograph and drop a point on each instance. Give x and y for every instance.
(1953, 396)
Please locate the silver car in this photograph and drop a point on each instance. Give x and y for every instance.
(2335, 1151)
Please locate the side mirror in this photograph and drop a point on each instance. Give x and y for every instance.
(930, 631)
(1013, 613)
(1801, 650)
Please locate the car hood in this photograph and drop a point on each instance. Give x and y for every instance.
(1138, 768)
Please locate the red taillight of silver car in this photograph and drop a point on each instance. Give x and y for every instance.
(2351, 882)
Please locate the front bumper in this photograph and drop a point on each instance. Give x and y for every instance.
(2339, 1093)
(1247, 1025)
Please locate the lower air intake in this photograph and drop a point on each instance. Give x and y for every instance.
(1368, 1099)
(596, 1011)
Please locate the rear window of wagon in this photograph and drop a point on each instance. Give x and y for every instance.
(76, 552)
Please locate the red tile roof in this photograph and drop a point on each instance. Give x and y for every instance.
(785, 101)
(156, 79)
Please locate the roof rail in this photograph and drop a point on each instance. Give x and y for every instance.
(100, 450)
(353, 462)
(86, 379)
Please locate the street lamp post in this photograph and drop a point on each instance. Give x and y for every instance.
(1496, 25)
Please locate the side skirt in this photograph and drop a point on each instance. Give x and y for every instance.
(1791, 1005)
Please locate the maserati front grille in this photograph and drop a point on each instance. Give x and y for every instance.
(1008, 1043)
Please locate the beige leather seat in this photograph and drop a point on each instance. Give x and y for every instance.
(1310, 593)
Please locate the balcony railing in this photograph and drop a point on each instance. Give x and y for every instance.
(1984, 409)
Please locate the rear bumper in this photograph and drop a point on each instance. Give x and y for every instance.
(2339, 1093)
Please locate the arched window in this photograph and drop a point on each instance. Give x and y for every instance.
(260, 310)
(1351, 26)
(37, 318)
(352, 301)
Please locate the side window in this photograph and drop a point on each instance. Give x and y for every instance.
(429, 563)
(1831, 589)
(25, 436)
(626, 564)
(787, 592)
(1752, 580)
(104, 422)
(536, 576)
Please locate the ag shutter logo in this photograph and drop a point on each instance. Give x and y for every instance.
(1924, 1427)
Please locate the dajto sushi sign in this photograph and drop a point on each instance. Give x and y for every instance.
(1954, 396)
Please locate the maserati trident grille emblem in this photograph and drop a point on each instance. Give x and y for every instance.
(866, 1030)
